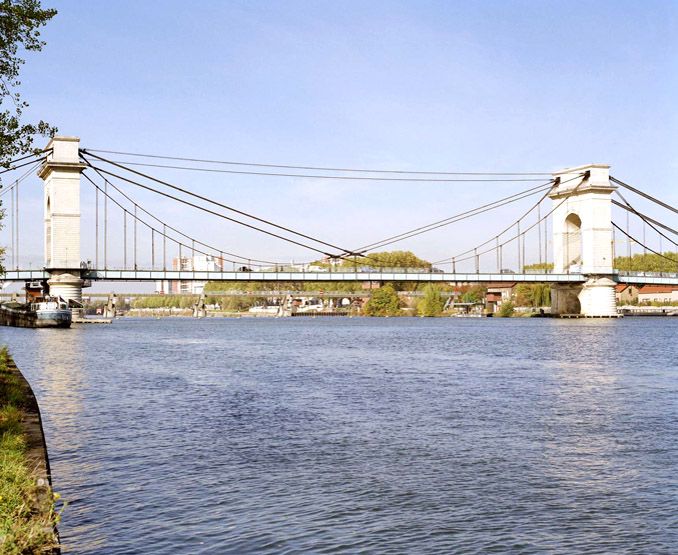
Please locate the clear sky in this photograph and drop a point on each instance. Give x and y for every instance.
(419, 85)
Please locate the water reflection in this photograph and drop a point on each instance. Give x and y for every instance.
(56, 364)
(61, 357)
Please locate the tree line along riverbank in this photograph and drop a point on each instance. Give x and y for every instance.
(428, 300)
(28, 517)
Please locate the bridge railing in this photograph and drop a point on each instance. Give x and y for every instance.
(645, 274)
(412, 275)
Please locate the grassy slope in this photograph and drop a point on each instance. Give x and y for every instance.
(27, 518)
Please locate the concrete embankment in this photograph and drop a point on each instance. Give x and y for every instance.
(40, 519)
(649, 310)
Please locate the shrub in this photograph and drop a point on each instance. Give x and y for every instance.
(432, 303)
(383, 302)
(506, 309)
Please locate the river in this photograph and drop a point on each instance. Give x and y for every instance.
(401, 435)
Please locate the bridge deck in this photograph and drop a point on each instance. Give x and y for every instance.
(406, 276)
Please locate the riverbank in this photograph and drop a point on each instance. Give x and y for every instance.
(187, 313)
(157, 313)
(27, 514)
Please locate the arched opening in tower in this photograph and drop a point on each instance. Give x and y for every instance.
(48, 235)
(572, 245)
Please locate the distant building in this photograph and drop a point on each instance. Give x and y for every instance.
(198, 263)
(658, 294)
(497, 293)
(626, 294)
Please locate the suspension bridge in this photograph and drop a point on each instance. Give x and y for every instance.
(573, 214)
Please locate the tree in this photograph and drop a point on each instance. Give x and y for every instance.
(20, 21)
(391, 259)
(533, 294)
(473, 294)
(383, 302)
(541, 295)
(543, 266)
(648, 262)
(379, 260)
(432, 303)
(506, 309)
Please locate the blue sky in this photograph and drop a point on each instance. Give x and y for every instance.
(456, 86)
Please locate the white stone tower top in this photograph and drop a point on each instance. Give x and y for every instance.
(63, 154)
(598, 180)
(61, 174)
(582, 220)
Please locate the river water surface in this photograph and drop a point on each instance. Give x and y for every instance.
(403, 435)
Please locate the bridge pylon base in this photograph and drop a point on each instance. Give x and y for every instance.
(68, 286)
(565, 299)
(595, 298)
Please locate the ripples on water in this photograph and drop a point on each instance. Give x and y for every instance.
(361, 436)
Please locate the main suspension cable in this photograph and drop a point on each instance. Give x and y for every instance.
(644, 216)
(179, 232)
(158, 231)
(319, 176)
(318, 168)
(642, 194)
(456, 218)
(643, 244)
(207, 210)
(15, 160)
(522, 233)
(40, 160)
(231, 209)
(344, 255)
(634, 211)
(533, 207)
(21, 178)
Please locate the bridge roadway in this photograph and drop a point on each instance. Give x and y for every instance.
(268, 293)
(635, 278)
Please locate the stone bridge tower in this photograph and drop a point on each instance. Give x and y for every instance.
(583, 241)
(61, 174)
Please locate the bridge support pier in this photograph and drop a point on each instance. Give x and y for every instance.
(565, 299)
(69, 287)
(597, 298)
(66, 285)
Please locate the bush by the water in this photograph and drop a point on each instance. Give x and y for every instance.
(383, 302)
(432, 303)
(506, 309)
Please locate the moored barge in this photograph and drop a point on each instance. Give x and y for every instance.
(48, 312)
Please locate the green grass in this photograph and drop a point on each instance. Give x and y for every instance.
(27, 518)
